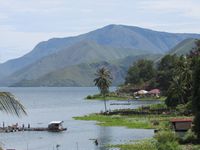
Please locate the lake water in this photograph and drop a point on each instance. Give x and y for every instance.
(47, 104)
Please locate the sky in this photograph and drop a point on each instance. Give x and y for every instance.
(24, 23)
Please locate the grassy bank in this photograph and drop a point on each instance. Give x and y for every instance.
(131, 121)
(152, 145)
(116, 97)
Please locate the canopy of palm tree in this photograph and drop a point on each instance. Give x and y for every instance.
(103, 80)
(10, 104)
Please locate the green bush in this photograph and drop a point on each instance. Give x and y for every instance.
(89, 97)
(141, 145)
(167, 140)
(189, 137)
(158, 106)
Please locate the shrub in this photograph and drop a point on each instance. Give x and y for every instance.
(189, 137)
(89, 97)
(158, 106)
(167, 140)
(142, 145)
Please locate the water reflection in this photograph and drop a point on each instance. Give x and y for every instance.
(48, 104)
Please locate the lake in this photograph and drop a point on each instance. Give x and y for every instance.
(47, 104)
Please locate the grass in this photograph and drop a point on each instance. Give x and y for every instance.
(190, 147)
(141, 145)
(150, 145)
(116, 97)
(130, 121)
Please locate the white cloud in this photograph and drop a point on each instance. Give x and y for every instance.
(24, 23)
(188, 8)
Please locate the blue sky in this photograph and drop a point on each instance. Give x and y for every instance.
(24, 23)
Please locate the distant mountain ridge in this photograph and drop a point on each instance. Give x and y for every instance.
(183, 47)
(109, 43)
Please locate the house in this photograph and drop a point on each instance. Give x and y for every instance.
(181, 124)
(154, 92)
(56, 126)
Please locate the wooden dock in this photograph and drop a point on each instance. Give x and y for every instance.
(54, 126)
(11, 129)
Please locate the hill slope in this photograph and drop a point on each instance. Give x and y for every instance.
(82, 52)
(83, 74)
(183, 47)
(116, 36)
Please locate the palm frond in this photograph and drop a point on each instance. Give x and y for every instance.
(10, 104)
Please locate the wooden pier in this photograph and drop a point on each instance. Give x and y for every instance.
(10, 129)
(55, 126)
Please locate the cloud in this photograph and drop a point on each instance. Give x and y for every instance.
(25, 23)
(189, 8)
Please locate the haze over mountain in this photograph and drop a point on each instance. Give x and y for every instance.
(183, 47)
(113, 42)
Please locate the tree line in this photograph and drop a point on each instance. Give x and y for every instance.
(178, 77)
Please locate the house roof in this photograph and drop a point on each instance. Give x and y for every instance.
(154, 91)
(142, 92)
(181, 120)
(56, 122)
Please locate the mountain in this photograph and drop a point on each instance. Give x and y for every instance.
(108, 44)
(115, 36)
(183, 47)
(83, 74)
(82, 52)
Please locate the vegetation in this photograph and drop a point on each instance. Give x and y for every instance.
(140, 72)
(131, 121)
(164, 140)
(196, 95)
(9, 104)
(103, 81)
(141, 145)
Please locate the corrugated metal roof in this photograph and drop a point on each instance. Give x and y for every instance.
(56, 122)
(181, 120)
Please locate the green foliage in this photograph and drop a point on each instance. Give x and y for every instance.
(142, 145)
(184, 108)
(103, 81)
(158, 106)
(189, 137)
(171, 101)
(10, 104)
(140, 72)
(196, 96)
(89, 97)
(167, 140)
(165, 71)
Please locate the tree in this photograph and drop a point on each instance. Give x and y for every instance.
(103, 81)
(196, 96)
(9, 104)
(142, 71)
(180, 87)
(176, 92)
(166, 72)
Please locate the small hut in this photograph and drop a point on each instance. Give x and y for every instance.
(183, 124)
(56, 126)
(142, 92)
(154, 92)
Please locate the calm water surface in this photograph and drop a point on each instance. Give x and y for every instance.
(48, 104)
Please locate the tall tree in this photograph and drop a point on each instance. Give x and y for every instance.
(196, 89)
(10, 104)
(103, 81)
(166, 72)
(141, 71)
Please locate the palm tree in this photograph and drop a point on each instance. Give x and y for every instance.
(178, 89)
(103, 81)
(10, 104)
